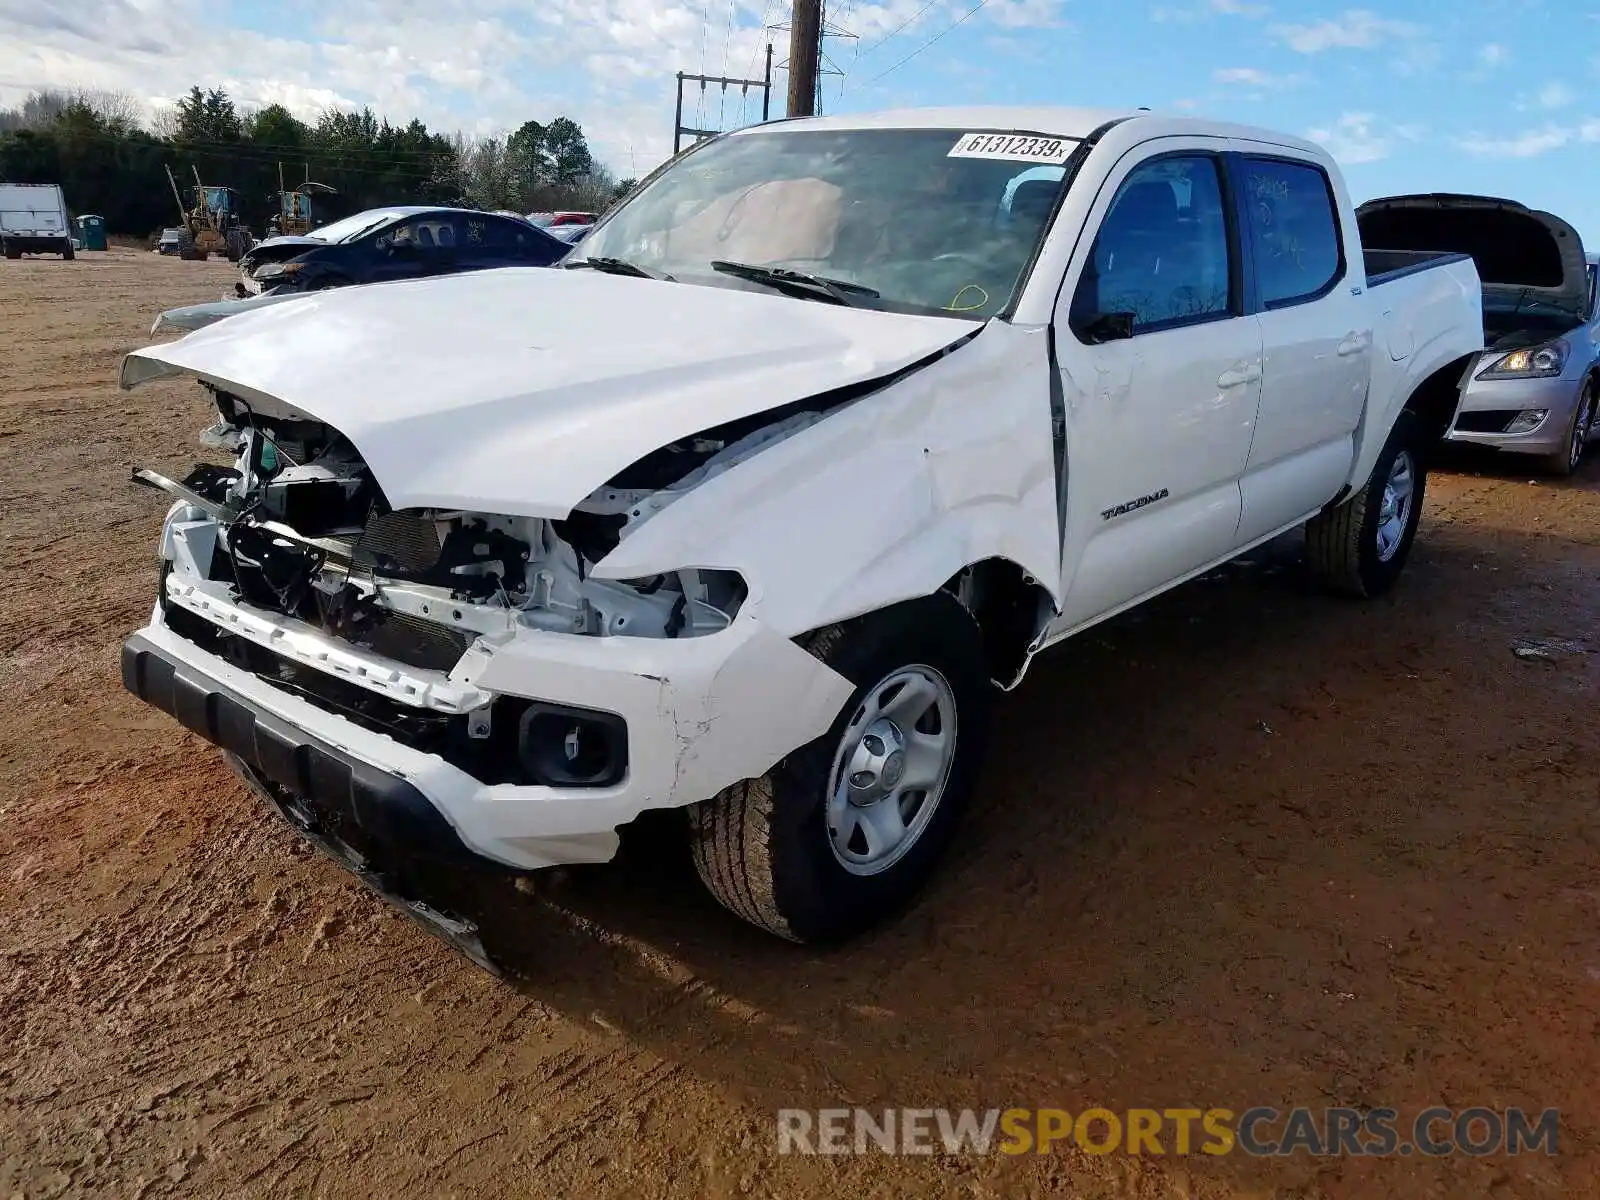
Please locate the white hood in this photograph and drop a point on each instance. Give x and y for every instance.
(521, 391)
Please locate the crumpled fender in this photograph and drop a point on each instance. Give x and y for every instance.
(883, 500)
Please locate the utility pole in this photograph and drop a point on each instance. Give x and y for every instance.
(679, 129)
(805, 56)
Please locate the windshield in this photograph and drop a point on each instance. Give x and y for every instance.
(348, 227)
(933, 220)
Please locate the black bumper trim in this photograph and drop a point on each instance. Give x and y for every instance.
(375, 823)
(384, 804)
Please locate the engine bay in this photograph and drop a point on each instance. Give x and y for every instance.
(298, 525)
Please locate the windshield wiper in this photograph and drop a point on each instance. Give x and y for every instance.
(618, 266)
(799, 283)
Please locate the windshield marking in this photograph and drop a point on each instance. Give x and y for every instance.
(1013, 147)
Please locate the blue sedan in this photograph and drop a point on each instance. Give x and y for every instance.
(394, 243)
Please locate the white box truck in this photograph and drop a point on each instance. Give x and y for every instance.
(33, 220)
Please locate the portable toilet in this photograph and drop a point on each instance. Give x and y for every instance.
(92, 232)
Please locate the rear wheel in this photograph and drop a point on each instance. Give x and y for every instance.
(1359, 547)
(1565, 460)
(845, 830)
(68, 254)
(11, 251)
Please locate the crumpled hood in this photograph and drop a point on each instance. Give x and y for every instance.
(520, 391)
(298, 243)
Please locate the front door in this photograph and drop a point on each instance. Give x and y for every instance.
(417, 248)
(1161, 377)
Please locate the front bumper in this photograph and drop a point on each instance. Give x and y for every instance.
(374, 823)
(1490, 403)
(701, 714)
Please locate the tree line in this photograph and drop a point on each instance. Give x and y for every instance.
(111, 162)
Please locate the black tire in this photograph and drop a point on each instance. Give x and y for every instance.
(68, 254)
(763, 846)
(1342, 542)
(1565, 460)
(12, 251)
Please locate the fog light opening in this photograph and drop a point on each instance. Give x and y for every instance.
(1528, 420)
(572, 747)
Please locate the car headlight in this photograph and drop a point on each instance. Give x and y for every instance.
(1535, 362)
(277, 270)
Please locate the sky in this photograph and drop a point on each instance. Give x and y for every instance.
(1492, 97)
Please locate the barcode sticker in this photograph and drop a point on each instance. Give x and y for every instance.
(1013, 147)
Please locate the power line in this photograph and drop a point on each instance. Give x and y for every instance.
(871, 46)
(958, 21)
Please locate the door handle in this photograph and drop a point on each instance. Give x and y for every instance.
(1239, 375)
(1353, 343)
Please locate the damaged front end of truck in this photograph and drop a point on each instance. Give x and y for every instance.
(463, 608)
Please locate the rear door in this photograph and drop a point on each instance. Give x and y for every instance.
(1316, 331)
(501, 242)
(1159, 420)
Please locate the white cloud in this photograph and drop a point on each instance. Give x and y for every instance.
(1254, 77)
(1356, 138)
(1529, 144)
(1024, 14)
(1555, 95)
(482, 66)
(1492, 55)
(1188, 14)
(1353, 29)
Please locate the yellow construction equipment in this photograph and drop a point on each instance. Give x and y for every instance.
(294, 215)
(211, 221)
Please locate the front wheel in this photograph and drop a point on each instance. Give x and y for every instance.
(1565, 460)
(1359, 547)
(845, 830)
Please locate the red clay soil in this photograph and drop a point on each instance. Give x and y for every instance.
(1250, 846)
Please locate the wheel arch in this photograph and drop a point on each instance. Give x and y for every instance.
(1012, 610)
(1433, 402)
(1009, 606)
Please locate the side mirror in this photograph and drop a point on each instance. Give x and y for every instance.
(1109, 326)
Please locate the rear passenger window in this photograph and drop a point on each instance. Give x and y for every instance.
(1293, 230)
(1162, 250)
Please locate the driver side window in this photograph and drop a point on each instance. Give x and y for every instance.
(1161, 256)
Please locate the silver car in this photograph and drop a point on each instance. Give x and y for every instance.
(1533, 390)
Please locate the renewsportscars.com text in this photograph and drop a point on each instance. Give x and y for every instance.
(1257, 1131)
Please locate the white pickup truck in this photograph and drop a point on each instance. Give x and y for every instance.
(816, 440)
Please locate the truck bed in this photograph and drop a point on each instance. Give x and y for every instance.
(1385, 266)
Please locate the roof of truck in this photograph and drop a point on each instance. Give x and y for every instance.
(1066, 122)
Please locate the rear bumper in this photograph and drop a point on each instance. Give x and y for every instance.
(36, 244)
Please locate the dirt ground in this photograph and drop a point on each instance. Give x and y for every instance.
(1250, 846)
